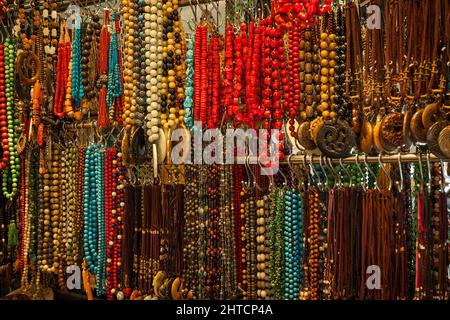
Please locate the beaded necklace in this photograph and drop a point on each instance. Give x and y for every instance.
(3, 112)
(191, 230)
(228, 72)
(102, 81)
(129, 65)
(262, 240)
(214, 250)
(77, 83)
(173, 66)
(293, 98)
(63, 218)
(50, 31)
(101, 245)
(327, 55)
(62, 72)
(11, 175)
(292, 244)
(109, 226)
(90, 208)
(277, 243)
(140, 69)
(25, 220)
(213, 120)
(189, 90)
(153, 56)
(55, 210)
(227, 242)
(89, 62)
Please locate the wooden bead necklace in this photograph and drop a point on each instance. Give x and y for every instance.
(173, 66)
(191, 229)
(262, 256)
(328, 56)
(129, 67)
(50, 31)
(90, 56)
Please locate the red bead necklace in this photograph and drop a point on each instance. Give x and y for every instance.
(213, 121)
(114, 210)
(238, 82)
(3, 120)
(294, 79)
(204, 75)
(266, 64)
(109, 181)
(103, 51)
(253, 82)
(62, 72)
(228, 74)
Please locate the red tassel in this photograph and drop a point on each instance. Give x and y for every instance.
(103, 119)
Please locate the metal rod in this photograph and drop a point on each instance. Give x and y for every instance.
(81, 125)
(388, 158)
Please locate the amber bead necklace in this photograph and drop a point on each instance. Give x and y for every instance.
(129, 67)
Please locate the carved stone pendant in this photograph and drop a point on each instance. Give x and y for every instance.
(336, 139)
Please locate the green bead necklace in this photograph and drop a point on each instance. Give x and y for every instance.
(11, 175)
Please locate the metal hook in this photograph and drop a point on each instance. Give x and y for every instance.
(369, 169)
(361, 172)
(430, 178)
(296, 176)
(307, 171)
(347, 172)
(442, 176)
(285, 179)
(335, 174)
(325, 184)
(315, 173)
(385, 171)
(400, 183)
(421, 171)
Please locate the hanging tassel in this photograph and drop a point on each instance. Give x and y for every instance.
(103, 118)
(13, 236)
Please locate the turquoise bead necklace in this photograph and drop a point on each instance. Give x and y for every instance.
(115, 87)
(77, 83)
(90, 206)
(12, 172)
(189, 90)
(292, 244)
